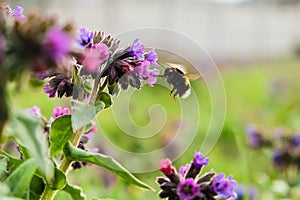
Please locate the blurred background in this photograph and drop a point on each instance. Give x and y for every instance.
(256, 46)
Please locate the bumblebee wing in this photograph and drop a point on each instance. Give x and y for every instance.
(179, 67)
(193, 77)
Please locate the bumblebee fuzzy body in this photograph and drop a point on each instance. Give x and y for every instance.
(179, 81)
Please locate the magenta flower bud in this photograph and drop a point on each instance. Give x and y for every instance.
(165, 166)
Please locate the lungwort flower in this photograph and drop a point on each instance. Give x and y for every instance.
(17, 13)
(189, 185)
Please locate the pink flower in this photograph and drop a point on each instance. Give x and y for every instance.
(95, 56)
(166, 167)
(58, 111)
(57, 44)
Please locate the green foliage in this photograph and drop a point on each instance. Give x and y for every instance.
(75, 154)
(60, 133)
(19, 181)
(28, 134)
(3, 167)
(105, 98)
(83, 113)
(75, 192)
(58, 182)
(37, 186)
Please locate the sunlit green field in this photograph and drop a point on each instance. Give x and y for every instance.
(263, 93)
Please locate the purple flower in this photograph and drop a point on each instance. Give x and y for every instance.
(152, 76)
(58, 111)
(200, 160)
(95, 56)
(255, 140)
(295, 140)
(184, 169)
(142, 69)
(57, 44)
(152, 57)
(243, 193)
(281, 159)
(34, 111)
(137, 49)
(188, 189)
(86, 37)
(50, 91)
(223, 187)
(17, 13)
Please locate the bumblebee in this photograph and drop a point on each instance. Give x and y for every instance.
(179, 81)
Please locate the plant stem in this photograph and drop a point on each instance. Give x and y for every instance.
(49, 193)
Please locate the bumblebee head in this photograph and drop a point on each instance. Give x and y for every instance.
(169, 71)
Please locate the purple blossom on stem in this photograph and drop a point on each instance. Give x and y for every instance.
(137, 49)
(17, 13)
(86, 37)
(295, 140)
(58, 111)
(152, 76)
(50, 91)
(57, 44)
(199, 160)
(224, 188)
(142, 69)
(188, 189)
(255, 139)
(34, 111)
(184, 169)
(152, 57)
(95, 56)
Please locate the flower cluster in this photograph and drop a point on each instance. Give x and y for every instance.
(285, 147)
(189, 185)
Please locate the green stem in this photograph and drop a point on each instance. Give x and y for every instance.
(49, 193)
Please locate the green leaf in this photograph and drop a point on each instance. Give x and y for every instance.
(58, 181)
(75, 192)
(37, 187)
(3, 167)
(75, 154)
(60, 133)
(29, 134)
(5, 193)
(12, 161)
(20, 179)
(106, 99)
(63, 195)
(25, 152)
(83, 113)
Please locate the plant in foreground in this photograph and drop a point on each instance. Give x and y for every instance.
(187, 184)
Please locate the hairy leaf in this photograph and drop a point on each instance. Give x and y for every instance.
(75, 154)
(3, 167)
(75, 192)
(19, 181)
(105, 98)
(60, 133)
(83, 113)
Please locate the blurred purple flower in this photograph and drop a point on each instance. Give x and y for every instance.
(95, 56)
(17, 13)
(281, 159)
(200, 160)
(142, 69)
(57, 44)
(50, 91)
(137, 49)
(34, 111)
(246, 193)
(188, 189)
(86, 37)
(58, 111)
(184, 169)
(224, 188)
(152, 57)
(255, 139)
(295, 140)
